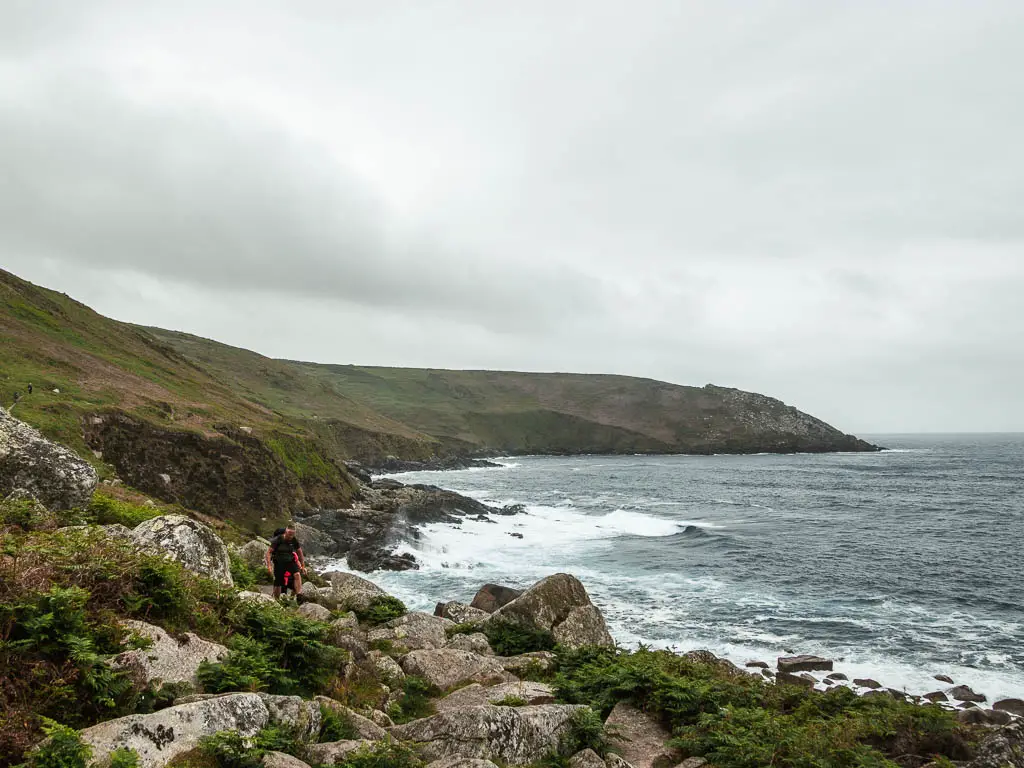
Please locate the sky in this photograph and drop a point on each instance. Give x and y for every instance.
(816, 200)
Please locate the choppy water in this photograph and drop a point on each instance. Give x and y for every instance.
(898, 565)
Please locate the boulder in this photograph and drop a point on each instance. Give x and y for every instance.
(527, 663)
(314, 611)
(460, 613)
(461, 762)
(167, 660)
(351, 592)
(315, 543)
(281, 760)
(1003, 749)
(189, 542)
(382, 719)
(588, 758)
(756, 665)
(723, 665)
(335, 752)
(788, 678)
(255, 597)
(639, 738)
(254, 553)
(491, 597)
(364, 727)
(414, 631)
(803, 663)
(867, 682)
(387, 669)
(965, 693)
(693, 762)
(56, 476)
(477, 695)
(511, 735)
(944, 679)
(163, 735)
(936, 697)
(614, 761)
(475, 643)
(117, 531)
(1013, 706)
(836, 676)
(979, 716)
(446, 668)
(560, 605)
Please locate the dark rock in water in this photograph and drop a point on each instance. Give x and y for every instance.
(491, 597)
(896, 694)
(788, 678)
(392, 464)
(371, 558)
(756, 665)
(979, 716)
(1013, 706)
(803, 663)
(836, 676)
(964, 693)
(359, 471)
(944, 679)
(936, 697)
(387, 484)
(967, 705)
(515, 535)
(768, 673)
(867, 682)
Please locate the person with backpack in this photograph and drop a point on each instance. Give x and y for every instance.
(286, 562)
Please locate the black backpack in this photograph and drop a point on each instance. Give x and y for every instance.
(279, 532)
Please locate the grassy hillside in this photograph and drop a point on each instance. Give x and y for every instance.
(234, 429)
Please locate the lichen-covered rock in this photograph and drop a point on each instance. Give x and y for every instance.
(53, 474)
(460, 613)
(475, 643)
(281, 760)
(509, 735)
(254, 553)
(462, 762)
(477, 695)
(414, 631)
(364, 727)
(382, 719)
(335, 752)
(314, 611)
(351, 592)
(446, 668)
(527, 663)
(1003, 749)
(256, 597)
(559, 604)
(588, 758)
(188, 541)
(491, 597)
(639, 738)
(300, 717)
(388, 670)
(167, 660)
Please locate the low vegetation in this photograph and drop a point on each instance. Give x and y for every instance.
(382, 609)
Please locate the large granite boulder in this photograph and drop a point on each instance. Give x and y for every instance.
(57, 476)
(475, 643)
(506, 735)
(639, 738)
(559, 604)
(414, 631)
(188, 541)
(336, 752)
(477, 695)
(491, 597)
(803, 663)
(1003, 749)
(254, 553)
(167, 660)
(315, 543)
(446, 668)
(351, 592)
(460, 613)
(160, 737)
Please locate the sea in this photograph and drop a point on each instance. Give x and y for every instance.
(897, 565)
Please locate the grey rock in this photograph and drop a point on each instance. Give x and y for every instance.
(167, 660)
(1013, 706)
(117, 531)
(460, 613)
(315, 543)
(788, 678)
(256, 597)
(475, 643)
(281, 760)
(491, 597)
(803, 663)
(526, 663)
(446, 668)
(189, 542)
(639, 738)
(388, 670)
(56, 476)
(965, 693)
(867, 682)
(836, 676)
(936, 697)
(336, 752)
(588, 758)
(1003, 749)
(461, 762)
(351, 592)
(382, 719)
(300, 717)
(560, 605)
(414, 631)
(254, 553)
(476, 695)
(944, 679)
(756, 665)
(614, 761)
(314, 611)
(693, 762)
(512, 735)
(365, 727)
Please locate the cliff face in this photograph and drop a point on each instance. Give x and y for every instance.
(220, 421)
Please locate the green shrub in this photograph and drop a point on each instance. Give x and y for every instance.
(511, 701)
(510, 639)
(415, 702)
(123, 758)
(106, 510)
(229, 750)
(383, 754)
(63, 748)
(248, 667)
(586, 731)
(18, 513)
(335, 726)
(382, 609)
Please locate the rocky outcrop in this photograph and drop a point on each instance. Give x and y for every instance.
(527, 662)
(254, 553)
(189, 542)
(315, 543)
(351, 592)
(414, 631)
(1013, 706)
(507, 735)
(965, 693)
(159, 737)
(639, 738)
(475, 643)
(558, 604)
(315, 612)
(1003, 749)
(491, 597)
(477, 695)
(56, 476)
(446, 668)
(336, 752)
(461, 762)
(281, 760)
(167, 660)
(460, 613)
(803, 663)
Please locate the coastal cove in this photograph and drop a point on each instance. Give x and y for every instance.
(899, 565)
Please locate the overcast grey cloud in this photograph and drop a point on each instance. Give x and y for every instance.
(819, 201)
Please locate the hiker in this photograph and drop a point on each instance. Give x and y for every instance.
(30, 389)
(288, 561)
